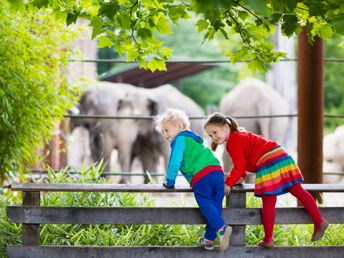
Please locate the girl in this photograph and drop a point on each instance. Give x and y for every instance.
(276, 172)
(201, 169)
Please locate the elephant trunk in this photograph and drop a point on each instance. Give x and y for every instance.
(127, 134)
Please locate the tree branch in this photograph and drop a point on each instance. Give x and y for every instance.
(240, 30)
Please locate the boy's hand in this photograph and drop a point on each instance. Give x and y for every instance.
(227, 189)
(167, 186)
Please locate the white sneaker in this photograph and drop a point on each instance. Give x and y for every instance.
(224, 237)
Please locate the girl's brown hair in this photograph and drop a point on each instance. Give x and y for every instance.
(219, 119)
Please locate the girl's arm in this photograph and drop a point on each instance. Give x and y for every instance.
(239, 170)
(175, 162)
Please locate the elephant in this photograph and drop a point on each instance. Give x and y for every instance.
(101, 99)
(140, 135)
(333, 147)
(254, 97)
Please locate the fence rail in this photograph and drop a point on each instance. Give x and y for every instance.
(31, 215)
(191, 117)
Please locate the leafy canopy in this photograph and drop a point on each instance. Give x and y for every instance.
(130, 26)
(34, 52)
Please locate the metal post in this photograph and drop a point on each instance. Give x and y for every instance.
(310, 107)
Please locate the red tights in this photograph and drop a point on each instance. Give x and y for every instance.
(269, 202)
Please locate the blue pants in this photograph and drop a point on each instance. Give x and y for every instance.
(209, 192)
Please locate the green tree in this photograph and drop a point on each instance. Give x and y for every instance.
(131, 26)
(34, 52)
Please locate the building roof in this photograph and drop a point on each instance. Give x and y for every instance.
(135, 75)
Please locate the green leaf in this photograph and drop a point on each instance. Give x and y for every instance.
(167, 52)
(144, 33)
(209, 34)
(257, 6)
(132, 54)
(224, 33)
(124, 20)
(142, 62)
(243, 15)
(156, 64)
(162, 25)
(326, 31)
(338, 24)
(290, 4)
(71, 18)
(97, 24)
(177, 12)
(104, 41)
(16, 5)
(218, 24)
(289, 25)
(202, 25)
(255, 64)
(40, 3)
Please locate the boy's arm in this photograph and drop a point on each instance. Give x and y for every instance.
(176, 158)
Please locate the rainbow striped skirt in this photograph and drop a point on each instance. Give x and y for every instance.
(276, 172)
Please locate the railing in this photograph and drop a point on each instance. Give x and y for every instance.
(31, 215)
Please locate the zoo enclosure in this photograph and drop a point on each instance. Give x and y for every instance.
(154, 173)
(31, 215)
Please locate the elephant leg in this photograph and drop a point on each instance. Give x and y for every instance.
(227, 162)
(149, 160)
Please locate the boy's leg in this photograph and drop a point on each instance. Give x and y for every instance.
(205, 195)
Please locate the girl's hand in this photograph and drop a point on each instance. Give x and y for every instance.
(227, 189)
(241, 179)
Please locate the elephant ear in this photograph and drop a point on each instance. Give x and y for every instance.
(153, 107)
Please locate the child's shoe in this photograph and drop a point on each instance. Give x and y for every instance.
(224, 237)
(266, 243)
(207, 244)
(319, 229)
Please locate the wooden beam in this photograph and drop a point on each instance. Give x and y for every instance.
(177, 252)
(31, 231)
(144, 188)
(238, 200)
(310, 73)
(168, 215)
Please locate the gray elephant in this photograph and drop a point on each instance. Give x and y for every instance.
(138, 135)
(252, 97)
(101, 99)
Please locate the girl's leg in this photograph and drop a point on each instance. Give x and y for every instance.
(268, 215)
(320, 224)
(307, 201)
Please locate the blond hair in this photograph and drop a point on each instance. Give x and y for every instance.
(174, 115)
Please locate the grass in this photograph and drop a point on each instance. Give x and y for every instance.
(133, 235)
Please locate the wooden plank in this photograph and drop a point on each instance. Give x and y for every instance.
(168, 215)
(31, 231)
(149, 188)
(177, 252)
(237, 200)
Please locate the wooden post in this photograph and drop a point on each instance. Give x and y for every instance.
(310, 73)
(237, 200)
(31, 232)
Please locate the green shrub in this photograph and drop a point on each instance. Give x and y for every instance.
(34, 92)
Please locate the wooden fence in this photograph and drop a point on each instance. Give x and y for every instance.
(31, 215)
